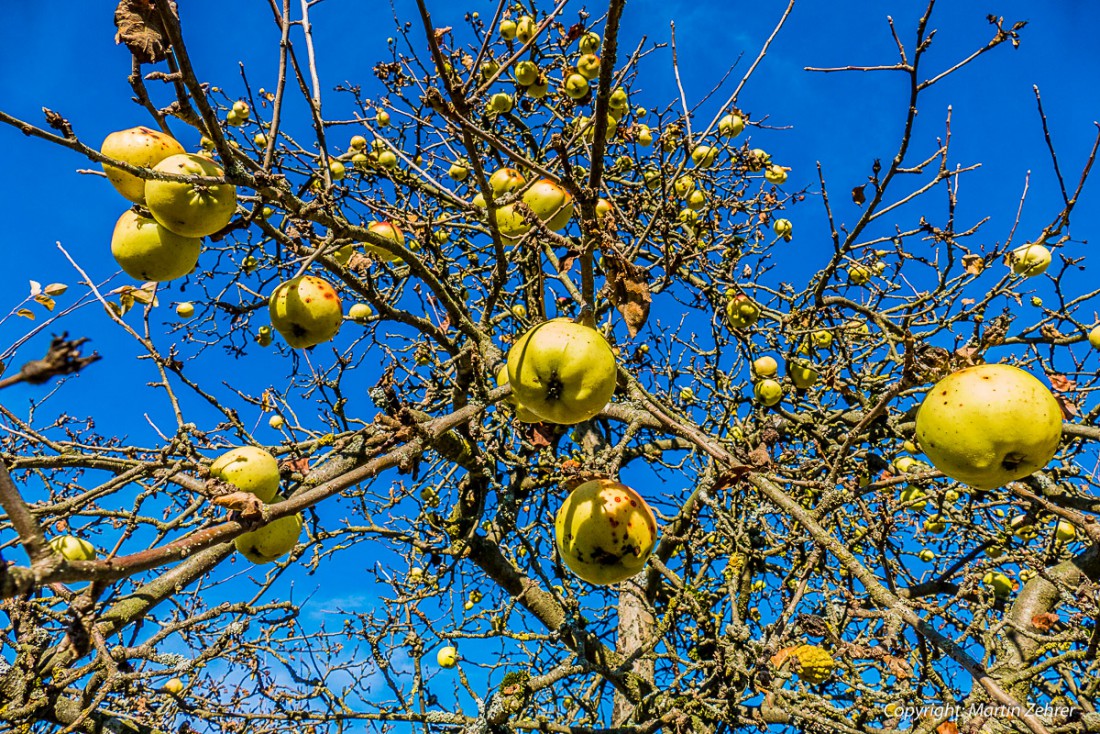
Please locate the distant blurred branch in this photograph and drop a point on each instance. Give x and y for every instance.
(62, 358)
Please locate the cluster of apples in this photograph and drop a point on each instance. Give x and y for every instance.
(161, 238)
(563, 372)
(254, 470)
(546, 199)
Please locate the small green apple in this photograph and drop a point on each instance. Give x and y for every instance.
(72, 548)
(561, 371)
(550, 202)
(360, 312)
(926, 555)
(619, 101)
(149, 252)
(387, 159)
(185, 310)
(357, 142)
(988, 425)
(1094, 337)
(914, 498)
(507, 29)
(259, 139)
(697, 200)
(382, 118)
(138, 146)
(643, 135)
(684, 185)
(935, 524)
(458, 171)
(242, 110)
(190, 209)
(306, 311)
(270, 542)
(604, 532)
(859, 274)
(249, 469)
(336, 170)
(263, 336)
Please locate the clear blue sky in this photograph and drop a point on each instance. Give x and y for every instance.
(66, 60)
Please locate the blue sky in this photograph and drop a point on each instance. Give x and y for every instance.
(70, 64)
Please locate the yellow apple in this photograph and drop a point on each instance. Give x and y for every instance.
(526, 28)
(505, 180)
(148, 251)
(447, 656)
(742, 311)
(575, 86)
(562, 372)
(604, 531)
(249, 469)
(174, 686)
(1029, 260)
(73, 548)
(190, 209)
(507, 29)
(360, 312)
(704, 156)
(271, 541)
(138, 146)
(775, 174)
(526, 73)
(550, 202)
(588, 66)
(590, 42)
(768, 392)
(783, 228)
(988, 425)
(802, 373)
(859, 274)
(1000, 584)
(306, 311)
(731, 126)
(914, 498)
(276, 422)
(185, 310)
(765, 367)
(926, 555)
(1064, 531)
(389, 231)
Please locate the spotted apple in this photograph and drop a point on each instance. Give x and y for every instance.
(604, 531)
(190, 209)
(306, 311)
(138, 146)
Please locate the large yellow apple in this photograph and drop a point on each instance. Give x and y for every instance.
(148, 251)
(988, 425)
(249, 469)
(273, 540)
(190, 209)
(138, 146)
(561, 371)
(605, 531)
(550, 202)
(306, 311)
(73, 548)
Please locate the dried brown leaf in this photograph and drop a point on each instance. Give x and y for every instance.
(140, 28)
(1043, 622)
(1061, 383)
(246, 503)
(973, 264)
(628, 290)
(947, 727)
(858, 197)
(1069, 408)
(898, 666)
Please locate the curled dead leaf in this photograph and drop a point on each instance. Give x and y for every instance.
(246, 503)
(1043, 622)
(973, 264)
(140, 28)
(627, 289)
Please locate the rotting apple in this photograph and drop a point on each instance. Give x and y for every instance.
(989, 424)
(605, 531)
(561, 371)
(306, 311)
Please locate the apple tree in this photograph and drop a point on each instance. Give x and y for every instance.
(485, 392)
